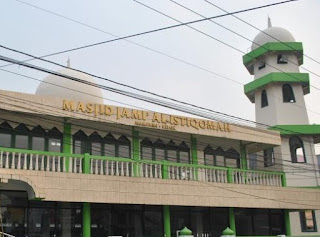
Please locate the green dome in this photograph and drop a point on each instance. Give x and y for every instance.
(185, 231)
(228, 231)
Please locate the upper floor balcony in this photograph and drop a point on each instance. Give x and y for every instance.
(33, 160)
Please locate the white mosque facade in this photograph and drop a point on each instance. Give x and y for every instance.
(71, 165)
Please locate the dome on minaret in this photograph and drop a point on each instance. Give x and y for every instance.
(61, 87)
(272, 34)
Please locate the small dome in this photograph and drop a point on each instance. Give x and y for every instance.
(62, 87)
(278, 34)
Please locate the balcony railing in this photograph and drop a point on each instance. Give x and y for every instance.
(113, 166)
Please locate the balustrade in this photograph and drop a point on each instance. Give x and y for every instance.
(112, 166)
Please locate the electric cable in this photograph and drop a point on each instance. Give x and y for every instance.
(284, 43)
(39, 111)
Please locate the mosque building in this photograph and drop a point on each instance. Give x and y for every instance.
(72, 166)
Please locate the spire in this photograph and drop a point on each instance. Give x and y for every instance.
(68, 62)
(269, 22)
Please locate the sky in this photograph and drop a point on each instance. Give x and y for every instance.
(31, 30)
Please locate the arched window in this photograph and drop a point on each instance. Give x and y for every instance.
(80, 143)
(55, 140)
(287, 93)
(268, 156)
(219, 161)
(232, 158)
(124, 145)
(146, 147)
(110, 145)
(297, 150)
(264, 99)
(5, 135)
(282, 59)
(22, 136)
(209, 156)
(172, 151)
(38, 138)
(159, 150)
(184, 153)
(95, 144)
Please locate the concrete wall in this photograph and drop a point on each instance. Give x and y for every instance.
(68, 187)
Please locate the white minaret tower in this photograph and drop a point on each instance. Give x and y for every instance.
(278, 91)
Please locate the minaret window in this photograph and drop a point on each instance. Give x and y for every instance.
(264, 99)
(287, 92)
(261, 64)
(297, 150)
(282, 59)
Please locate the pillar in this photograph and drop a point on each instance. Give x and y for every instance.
(67, 143)
(166, 208)
(166, 221)
(243, 156)
(194, 153)
(136, 152)
(287, 222)
(232, 220)
(86, 220)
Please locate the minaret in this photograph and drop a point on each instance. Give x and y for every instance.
(278, 88)
(278, 91)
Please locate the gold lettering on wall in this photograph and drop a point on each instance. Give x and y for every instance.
(144, 118)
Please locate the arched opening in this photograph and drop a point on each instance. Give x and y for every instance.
(80, 143)
(146, 147)
(110, 145)
(209, 156)
(159, 150)
(22, 136)
(55, 140)
(95, 144)
(219, 157)
(297, 150)
(184, 153)
(287, 93)
(232, 158)
(38, 139)
(172, 151)
(6, 135)
(282, 59)
(264, 99)
(124, 147)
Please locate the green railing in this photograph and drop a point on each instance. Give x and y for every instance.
(114, 166)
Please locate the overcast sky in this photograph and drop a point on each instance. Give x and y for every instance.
(39, 33)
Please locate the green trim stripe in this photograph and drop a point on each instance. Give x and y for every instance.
(194, 153)
(232, 219)
(166, 221)
(301, 129)
(136, 151)
(277, 77)
(86, 219)
(67, 142)
(274, 46)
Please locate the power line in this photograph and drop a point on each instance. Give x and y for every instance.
(224, 43)
(133, 95)
(127, 131)
(239, 192)
(284, 43)
(244, 37)
(166, 28)
(25, 101)
(93, 84)
(156, 51)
